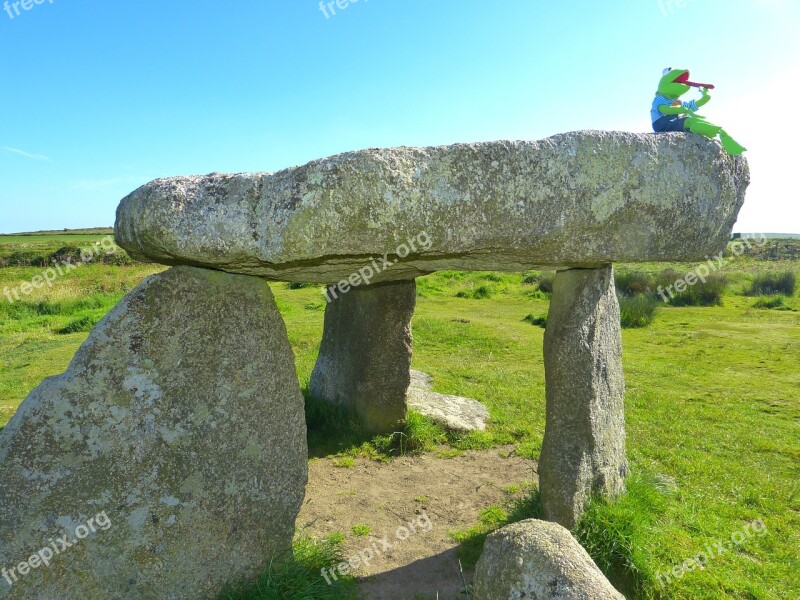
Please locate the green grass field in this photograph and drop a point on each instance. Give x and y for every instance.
(712, 409)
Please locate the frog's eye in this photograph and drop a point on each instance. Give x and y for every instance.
(667, 70)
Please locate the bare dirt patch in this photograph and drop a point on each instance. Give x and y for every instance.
(429, 496)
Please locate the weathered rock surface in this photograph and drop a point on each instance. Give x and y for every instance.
(581, 199)
(583, 451)
(451, 412)
(538, 560)
(364, 359)
(182, 420)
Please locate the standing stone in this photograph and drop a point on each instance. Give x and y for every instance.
(583, 451)
(538, 560)
(180, 425)
(364, 360)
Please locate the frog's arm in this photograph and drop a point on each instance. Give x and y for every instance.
(674, 110)
(705, 99)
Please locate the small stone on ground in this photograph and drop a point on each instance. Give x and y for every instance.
(451, 412)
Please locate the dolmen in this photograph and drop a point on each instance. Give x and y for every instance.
(170, 458)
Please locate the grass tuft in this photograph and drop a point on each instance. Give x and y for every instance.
(776, 302)
(634, 282)
(481, 292)
(769, 284)
(637, 311)
(332, 429)
(538, 321)
(615, 532)
(81, 324)
(702, 293)
(472, 540)
(299, 577)
(361, 530)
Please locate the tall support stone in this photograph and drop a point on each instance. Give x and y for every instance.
(364, 360)
(583, 451)
(171, 456)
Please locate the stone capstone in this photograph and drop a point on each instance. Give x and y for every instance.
(580, 199)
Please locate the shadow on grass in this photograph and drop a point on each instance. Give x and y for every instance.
(332, 430)
(471, 540)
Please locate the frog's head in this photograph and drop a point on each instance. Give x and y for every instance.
(675, 83)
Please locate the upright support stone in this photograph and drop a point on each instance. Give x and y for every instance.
(364, 360)
(583, 451)
(171, 456)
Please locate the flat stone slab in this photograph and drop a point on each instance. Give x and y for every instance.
(580, 199)
(451, 412)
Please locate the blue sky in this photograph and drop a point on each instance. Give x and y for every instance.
(101, 97)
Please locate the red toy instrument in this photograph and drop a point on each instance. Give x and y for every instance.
(684, 79)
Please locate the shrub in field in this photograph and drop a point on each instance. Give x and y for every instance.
(119, 258)
(702, 293)
(26, 258)
(82, 324)
(480, 293)
(539, 321)
(545, 282)
(296, 285)
(771, 302)
(70, 253)
(634, 282)
(768, 284)
(637, 311)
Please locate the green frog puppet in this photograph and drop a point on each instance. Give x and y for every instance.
(670, 114)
